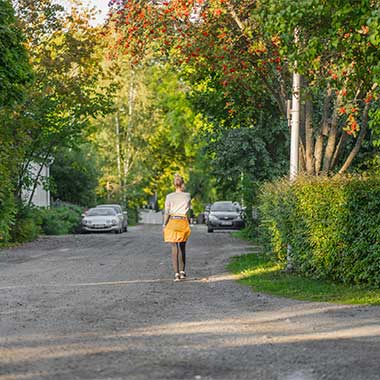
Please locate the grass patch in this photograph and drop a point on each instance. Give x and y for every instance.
(243, 234)
(265, 276)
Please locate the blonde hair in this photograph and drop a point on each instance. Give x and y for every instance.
(178, 181)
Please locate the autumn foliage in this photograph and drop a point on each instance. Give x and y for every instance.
(250, 48)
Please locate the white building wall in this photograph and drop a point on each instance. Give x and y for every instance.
(147, 216)
(41, 196)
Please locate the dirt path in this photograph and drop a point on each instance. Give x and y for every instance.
(104, 307)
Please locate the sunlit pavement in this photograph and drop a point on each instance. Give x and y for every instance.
(105, 306)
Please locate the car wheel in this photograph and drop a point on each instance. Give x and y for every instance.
(125, 228)
(209, 229)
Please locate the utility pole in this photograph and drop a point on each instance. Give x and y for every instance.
(294, 118)
(295, 126)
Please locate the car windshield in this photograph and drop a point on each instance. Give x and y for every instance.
(116, 208)
(224, 207)
(101, 211)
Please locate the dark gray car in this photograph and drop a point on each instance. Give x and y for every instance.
(225, 215)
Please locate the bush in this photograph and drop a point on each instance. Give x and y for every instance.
(27, 224)
(61, 220)
(7, 216)
(7, 204)
(133, 216)
(332, 225)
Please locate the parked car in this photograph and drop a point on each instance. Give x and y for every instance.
(101, 219)
(122, 215)
(225, 216)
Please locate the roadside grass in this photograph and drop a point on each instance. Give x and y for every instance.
(263, 275)
(9, 245)
(244, 234)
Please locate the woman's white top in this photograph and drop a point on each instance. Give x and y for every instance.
(177, 203)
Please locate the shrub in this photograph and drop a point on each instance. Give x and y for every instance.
(29, 222)
(7, 205)
(332, 225)
(26, 226)
(61, 220)
(133, 216)
(7, 216)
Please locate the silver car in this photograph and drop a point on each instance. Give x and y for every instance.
(101, 219)
(122, 215)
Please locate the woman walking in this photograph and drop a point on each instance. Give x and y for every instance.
(176, 226)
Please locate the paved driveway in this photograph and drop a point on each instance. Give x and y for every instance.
(104, 306)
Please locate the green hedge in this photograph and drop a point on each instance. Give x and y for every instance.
(331, 224)
(30, 222)
(62, 220)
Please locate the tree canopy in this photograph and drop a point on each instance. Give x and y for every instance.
(250, 48)
(15, 71)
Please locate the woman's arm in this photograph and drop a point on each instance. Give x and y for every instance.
(166, 218)
(166, 212)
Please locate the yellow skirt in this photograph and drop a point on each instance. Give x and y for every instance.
(177, 231)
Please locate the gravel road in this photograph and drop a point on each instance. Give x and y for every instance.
(105, 307)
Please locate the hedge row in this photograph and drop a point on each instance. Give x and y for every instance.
(331, 224)
(32, 221)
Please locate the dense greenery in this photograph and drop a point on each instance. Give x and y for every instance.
(244, 52)
(15, 71)
(331, 224)
(30, 222)
(49, 72)
(198, 88)
(75, 175)
(15, 75)
(66, 92)
(61, 219)
(148, 136)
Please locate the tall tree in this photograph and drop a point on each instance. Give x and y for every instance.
(66, 60)
(15, 71)
(148, 136)
(250, 44)
(15, 75)
(75, 174)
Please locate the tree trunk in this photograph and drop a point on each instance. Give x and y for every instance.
(118, 153)
(359, 141)
(309, 158)
(331, 142)
(302, 158)
(338, 150)
(318, 151)
(128, 158)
